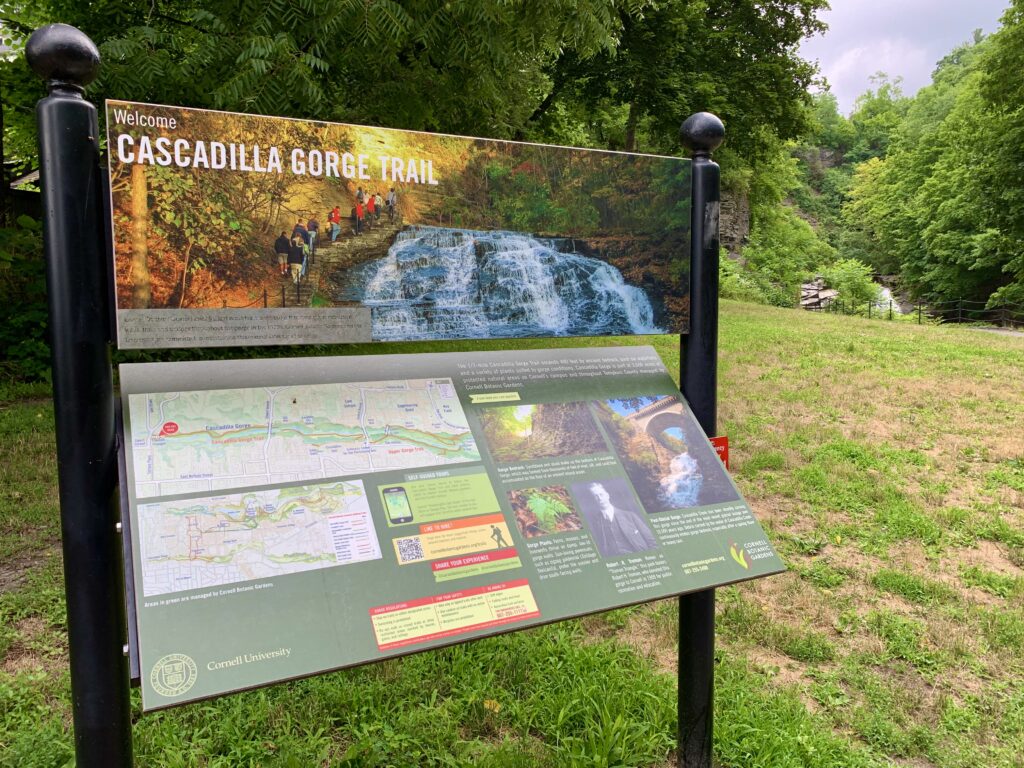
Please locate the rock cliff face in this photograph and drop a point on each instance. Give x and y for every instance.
(816, 295)
(735, 223)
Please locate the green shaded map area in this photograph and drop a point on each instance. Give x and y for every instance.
(193, 441)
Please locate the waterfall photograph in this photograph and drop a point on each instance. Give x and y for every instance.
(664, 453)
(531, 241)
(419, 235)
(444, 283)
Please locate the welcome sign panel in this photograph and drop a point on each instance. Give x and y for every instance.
(336, 511)
(417, 235)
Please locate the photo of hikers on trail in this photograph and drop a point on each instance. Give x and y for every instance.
(438, 237)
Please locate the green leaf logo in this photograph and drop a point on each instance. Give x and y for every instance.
(739, 556)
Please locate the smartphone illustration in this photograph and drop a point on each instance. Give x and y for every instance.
(396, 502)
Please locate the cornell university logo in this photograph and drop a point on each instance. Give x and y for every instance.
(173, 675)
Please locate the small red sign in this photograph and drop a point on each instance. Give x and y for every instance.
(721, 445)
(169, 428)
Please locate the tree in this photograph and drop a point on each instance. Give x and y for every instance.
(876, 116)
(783, 251)
(142, 290)
(469, 66)
(1002, 90)
(868, 217)
(829, 129)
(737, 58)
(963, 248)
(944, 207)
(852, 279)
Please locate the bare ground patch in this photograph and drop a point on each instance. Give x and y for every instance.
(781, 513)
(650, 636)
(14, 571)
(783, 670)
(26, 655)
(992, 557)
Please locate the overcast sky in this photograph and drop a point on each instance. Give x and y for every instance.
(899, 37)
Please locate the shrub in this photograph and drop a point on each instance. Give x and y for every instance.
(23, 349)
(852, 278)
(734, 282)
(782, 249)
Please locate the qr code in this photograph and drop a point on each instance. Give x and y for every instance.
(410, 549)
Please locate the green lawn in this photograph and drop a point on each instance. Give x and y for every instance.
(885, 460)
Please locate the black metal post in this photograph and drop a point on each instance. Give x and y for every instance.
(960, 310)
(83, 395)
(918, 313)
(282, 296)
(890, 309)
(701, 134)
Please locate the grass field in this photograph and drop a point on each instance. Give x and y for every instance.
(886, 462)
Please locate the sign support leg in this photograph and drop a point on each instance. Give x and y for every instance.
(83, 396)
(701, 133)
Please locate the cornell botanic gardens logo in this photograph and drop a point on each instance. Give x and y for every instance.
(173, 675)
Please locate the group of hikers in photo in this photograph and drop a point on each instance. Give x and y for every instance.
(294, 251)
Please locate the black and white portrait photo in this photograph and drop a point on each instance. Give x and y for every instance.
(613, 517)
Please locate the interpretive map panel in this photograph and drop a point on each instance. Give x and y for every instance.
(335, 511)
(327, 232)
(235, 438)
(211, 541)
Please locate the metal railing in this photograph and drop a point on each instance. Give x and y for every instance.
(952, 311)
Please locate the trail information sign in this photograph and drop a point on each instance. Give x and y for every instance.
(286, 517)
(295, 516)
(417, 235)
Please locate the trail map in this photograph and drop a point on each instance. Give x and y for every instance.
(218, 540)
(186, 442)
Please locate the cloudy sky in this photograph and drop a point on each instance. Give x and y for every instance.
(899, 37)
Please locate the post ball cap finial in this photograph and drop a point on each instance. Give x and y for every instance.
(702, 132)
(63, 54)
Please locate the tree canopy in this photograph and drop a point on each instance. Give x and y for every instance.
(610, 73)
(941, 203)
(926, 191)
